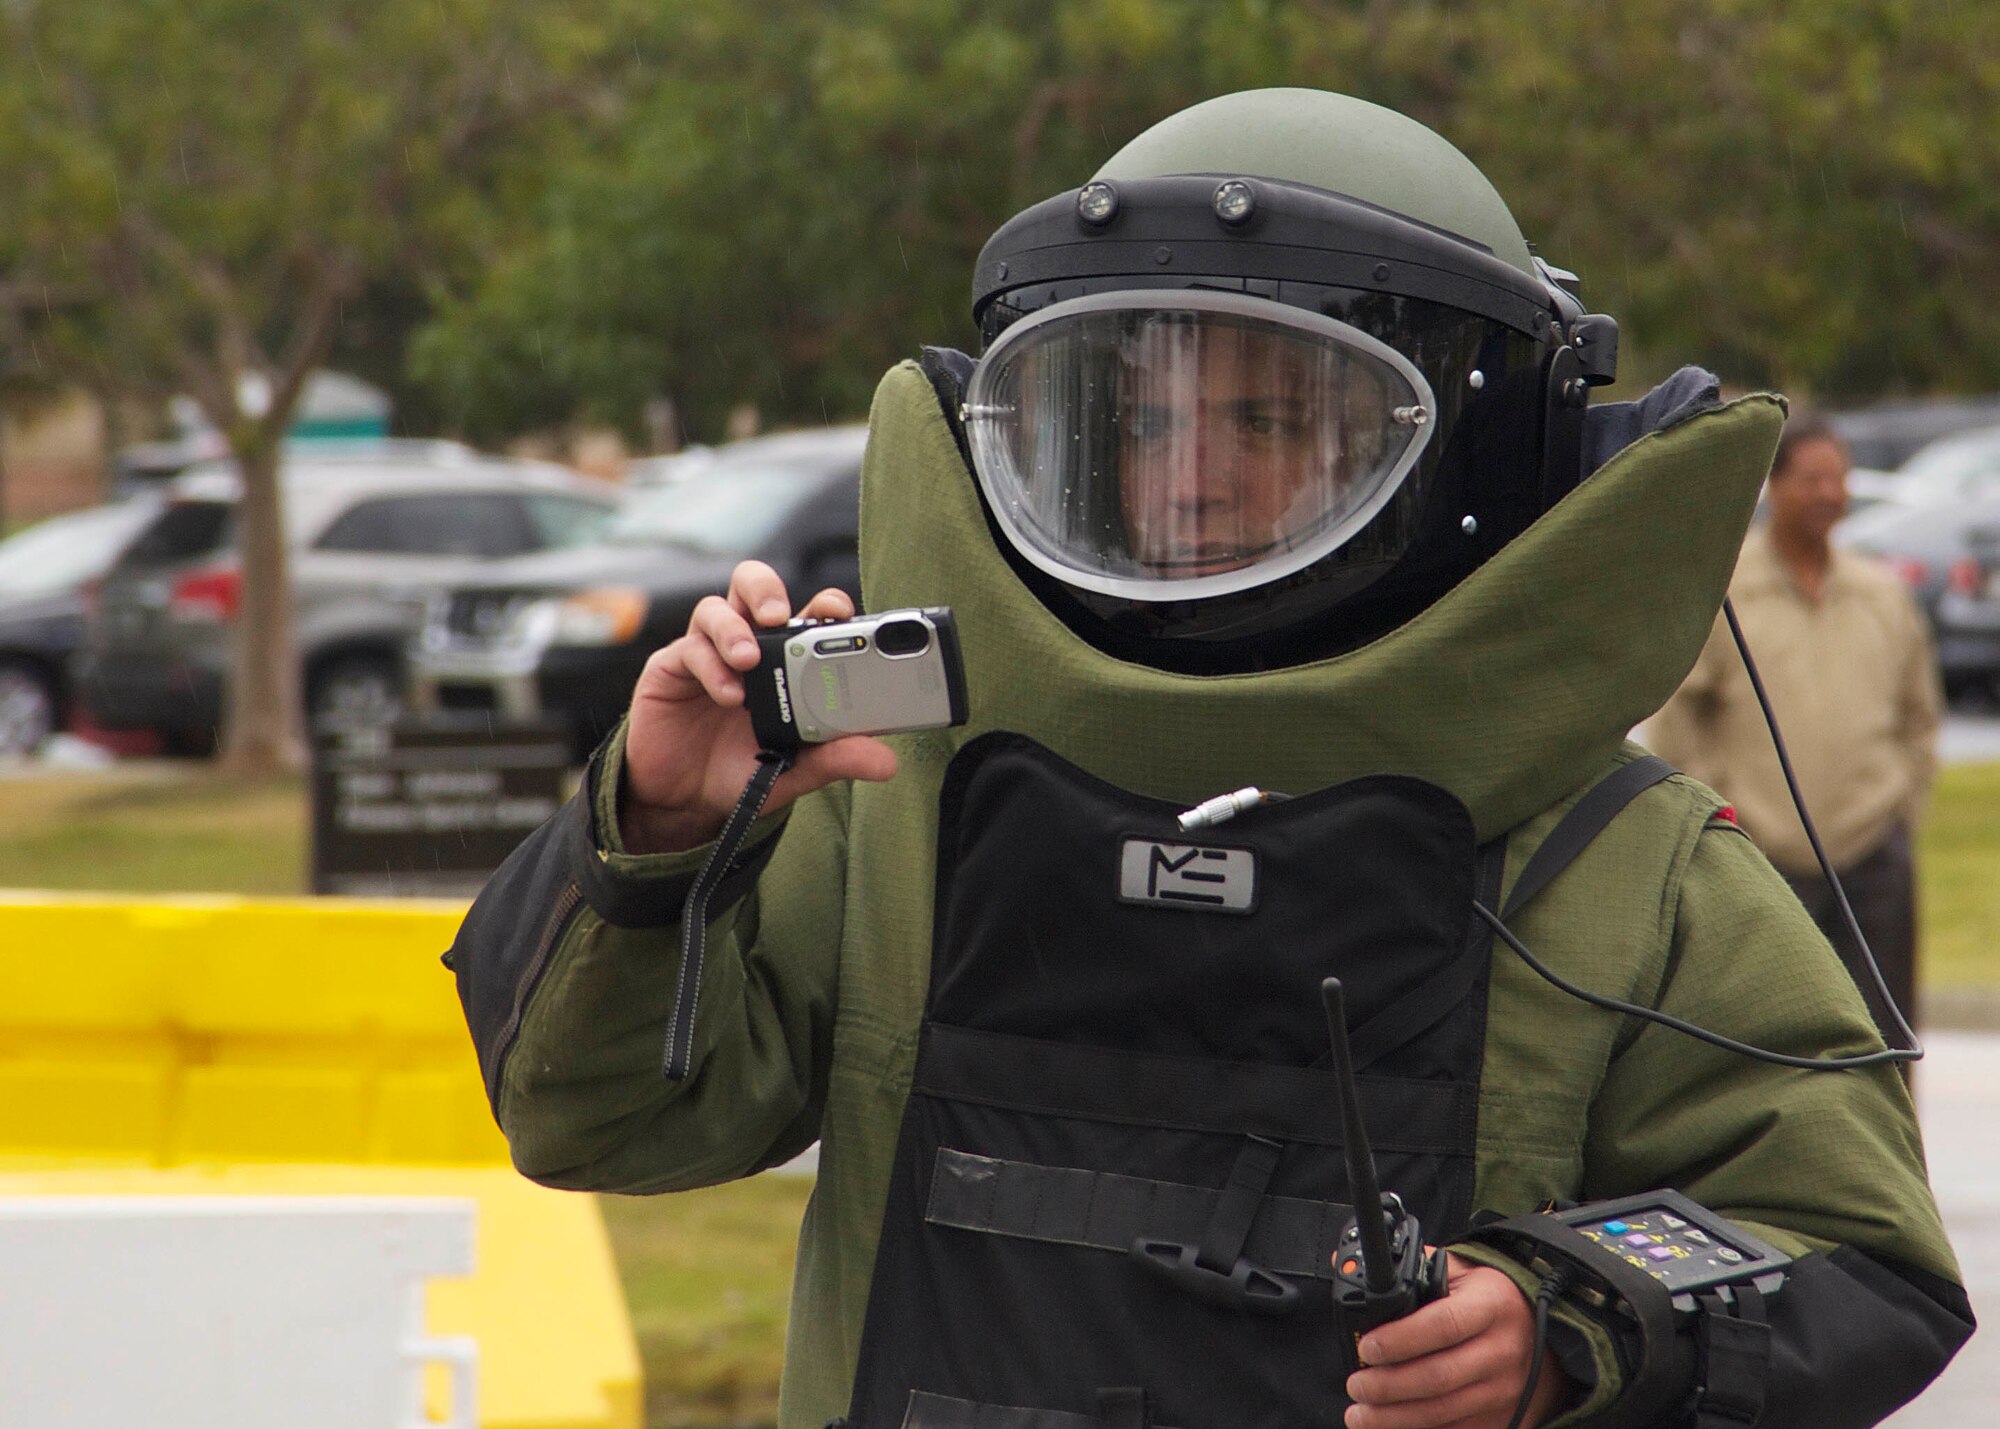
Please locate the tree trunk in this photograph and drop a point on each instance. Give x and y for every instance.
(262, 723)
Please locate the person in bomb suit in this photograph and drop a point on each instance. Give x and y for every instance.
(1277, 469)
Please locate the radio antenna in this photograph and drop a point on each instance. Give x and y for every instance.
(1376, 1258)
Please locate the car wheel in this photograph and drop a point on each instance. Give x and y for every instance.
(356, 692)
(27, 708)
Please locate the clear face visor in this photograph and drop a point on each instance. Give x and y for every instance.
(1179, 444)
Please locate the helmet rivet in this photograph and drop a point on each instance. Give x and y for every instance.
(1235, 201)
(1412, 416)
(1163, 255)
(1003, 272)
(1470, 525)
(1476, 381)
(1381, 272)
(1097, 203)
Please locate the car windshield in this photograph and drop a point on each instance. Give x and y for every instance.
(66, 551)
(719, 511)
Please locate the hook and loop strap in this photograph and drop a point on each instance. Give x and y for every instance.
(694, 916)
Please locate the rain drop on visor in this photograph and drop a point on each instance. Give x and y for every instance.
(1179, 444)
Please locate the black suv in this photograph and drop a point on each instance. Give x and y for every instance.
(563, 635)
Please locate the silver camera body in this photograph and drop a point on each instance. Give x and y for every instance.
(875, 674)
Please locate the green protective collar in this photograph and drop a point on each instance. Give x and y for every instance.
(1511, 691)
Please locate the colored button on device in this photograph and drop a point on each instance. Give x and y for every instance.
(1616, 1227)
(1348, 1267)
(1638, 1240)
(1660, 1252)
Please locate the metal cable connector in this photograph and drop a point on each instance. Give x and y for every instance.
(1224, 807)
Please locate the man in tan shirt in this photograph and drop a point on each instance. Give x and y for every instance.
(1847, 660)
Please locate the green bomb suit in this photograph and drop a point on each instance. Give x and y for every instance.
(1513, 692)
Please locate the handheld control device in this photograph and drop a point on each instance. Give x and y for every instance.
(1381, 1270)
(1683, 1245)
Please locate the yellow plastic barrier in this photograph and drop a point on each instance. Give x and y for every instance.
(220, 1045)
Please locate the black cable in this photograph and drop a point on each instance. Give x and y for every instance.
(1546, 1294)
(1915, 1051)
(1665, 1019)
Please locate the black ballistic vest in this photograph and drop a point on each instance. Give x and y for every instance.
(1119, 1177)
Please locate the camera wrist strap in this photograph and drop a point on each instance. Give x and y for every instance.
(694, 914)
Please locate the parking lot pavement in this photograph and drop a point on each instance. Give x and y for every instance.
(1969, 737)
(1958, 1096)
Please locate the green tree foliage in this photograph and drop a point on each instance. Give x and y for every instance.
(196, 190)
(1798, 192)
(1801, 193)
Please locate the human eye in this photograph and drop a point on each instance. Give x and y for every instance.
(1264, 420)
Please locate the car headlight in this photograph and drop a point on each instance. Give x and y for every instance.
(610, 615)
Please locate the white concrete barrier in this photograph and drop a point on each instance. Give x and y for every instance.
(227, 1312)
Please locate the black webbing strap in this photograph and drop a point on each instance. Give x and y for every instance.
(1631, 1305)
(1066, 1205)
(1735, 1346)
(1222, 1239)
(1116, 1409)
(1584, 822)
(1402, 1020)
(694, 915)
(1001, 1069)
(1123, 1408)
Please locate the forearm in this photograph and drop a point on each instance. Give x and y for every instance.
(570, 964)
(1826, 1165)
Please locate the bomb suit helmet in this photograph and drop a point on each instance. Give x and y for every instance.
(1278, 376)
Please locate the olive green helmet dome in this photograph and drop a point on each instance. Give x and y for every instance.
(1334, 142)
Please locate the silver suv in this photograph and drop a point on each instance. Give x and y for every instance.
(373, 532)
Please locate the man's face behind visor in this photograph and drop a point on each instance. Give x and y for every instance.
(1233, 441)
(1172, 445)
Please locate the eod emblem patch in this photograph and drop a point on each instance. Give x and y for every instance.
(1192, 877)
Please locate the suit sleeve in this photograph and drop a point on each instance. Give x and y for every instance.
(1827, 1165)
(567, 965)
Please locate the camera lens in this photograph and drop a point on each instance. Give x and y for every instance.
(902, 637)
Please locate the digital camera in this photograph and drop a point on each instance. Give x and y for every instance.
(875, 674)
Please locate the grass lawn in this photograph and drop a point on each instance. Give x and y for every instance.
(707, 1277)
(1958, 864)
(707, 1274)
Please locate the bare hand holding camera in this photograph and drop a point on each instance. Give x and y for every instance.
(689, 746)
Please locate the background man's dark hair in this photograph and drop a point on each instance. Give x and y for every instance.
(1804, 425)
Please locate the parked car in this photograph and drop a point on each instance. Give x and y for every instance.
(372, 532)
(1968, 618)
(1887, 434)
(1942, 551)
(45, 574)
(564, 635)
(1953, 468)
